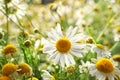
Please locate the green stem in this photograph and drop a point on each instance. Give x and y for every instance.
(7, 24)
(114, 46)
(106, 26)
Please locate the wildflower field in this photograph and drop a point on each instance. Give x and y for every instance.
(60, 40)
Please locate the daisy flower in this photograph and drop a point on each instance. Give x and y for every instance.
(61, 46)
(9, 69)
(83, 68)
(16, 9)
(104, 69)
(100, 50)
(9, 49)
(24, 69)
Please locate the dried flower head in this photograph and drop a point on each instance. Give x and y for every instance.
(7, 1)
(89, 40)
(116, 57)
(24, 69)
(70, 68)
(27, 43)
(4, 78)
(9, 49)
(23, 34)
(9, 69)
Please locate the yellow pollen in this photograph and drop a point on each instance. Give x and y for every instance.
(104, 65)
(63, 45)
(100, 46)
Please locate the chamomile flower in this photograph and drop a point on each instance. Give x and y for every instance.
(47, 76)
(9, 69)
(16, 9)
(70, 68)
(24, 69)
(61, 47)
(101, 51)
(83, 68)
(104, 69)
(9, 49)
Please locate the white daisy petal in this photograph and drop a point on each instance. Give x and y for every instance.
(57, 58)
(77, 54)
(69, 31)
(49, 49)
(59, 30)
(52, 56)
(77, 48)
(62, 60)
(111, 77)
(66, 60)
(71, 59)
(51, 36)
(77, 37)
(54, 33)
(101, 77)
(73, 32)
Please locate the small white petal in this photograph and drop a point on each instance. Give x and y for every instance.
(52, 37)
(101, 77)
(77, 37)
(53, 56)
(57, 58)
(66, 60)
(69, 31)
(111, 77)
(49, 49)
(71, 59)
(59, 30)
(62, 60)
(73, 32)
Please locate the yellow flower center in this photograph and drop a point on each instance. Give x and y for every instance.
(100, 46)
(24, 69)
(4, 78)
(118, 29)
(9, 69)
(70, 68)
(9, 49)
(104, 65)
(63, 45)
(33, 78)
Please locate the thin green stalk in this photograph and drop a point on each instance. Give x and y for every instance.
(114, 46)
(7, 24)
(106, 26)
